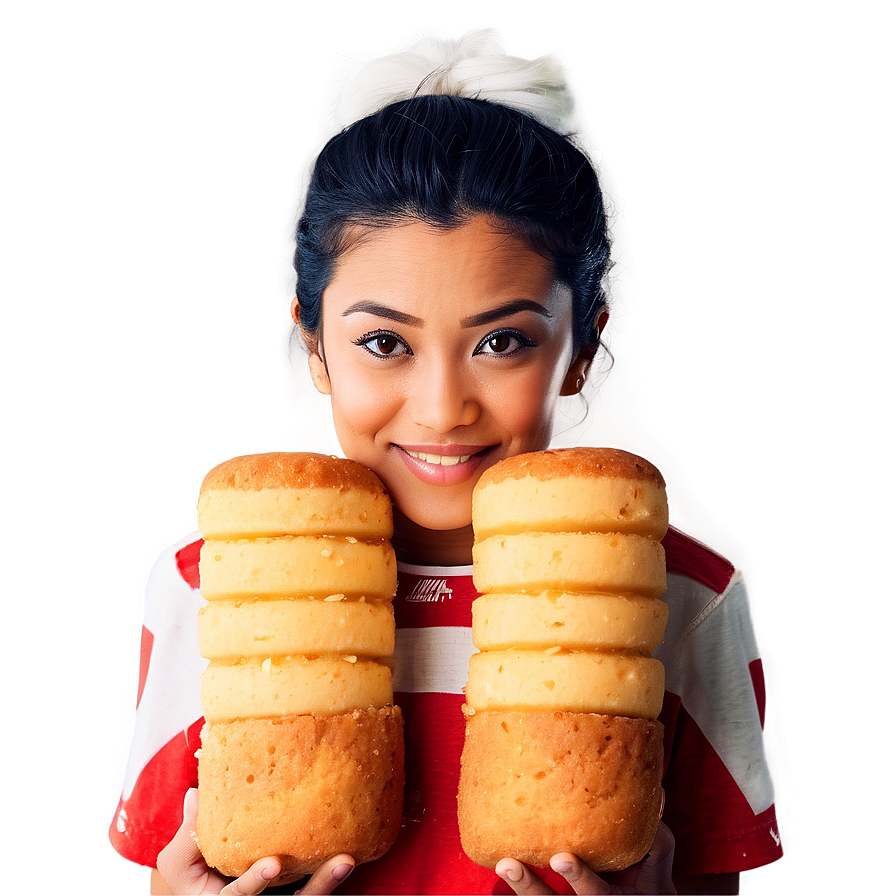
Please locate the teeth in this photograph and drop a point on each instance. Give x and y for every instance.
(440, 459)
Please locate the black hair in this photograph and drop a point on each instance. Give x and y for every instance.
(443, 159)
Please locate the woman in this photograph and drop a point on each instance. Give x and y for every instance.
(451, 260)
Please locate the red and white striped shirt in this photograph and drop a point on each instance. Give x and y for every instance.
(719, 800)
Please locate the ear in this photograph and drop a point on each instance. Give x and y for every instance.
(316, 363)
(578, 371)
(319, 373)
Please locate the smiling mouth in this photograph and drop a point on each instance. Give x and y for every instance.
(456, 465)
(442, 460)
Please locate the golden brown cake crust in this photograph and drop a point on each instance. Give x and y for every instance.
(560, 462)
(292, 469)
(535, 784)
(303, 788)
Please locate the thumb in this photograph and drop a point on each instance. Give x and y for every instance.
(181, 862)
(191, 807)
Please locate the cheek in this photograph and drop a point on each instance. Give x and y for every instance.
(526, 410)
(361, 410)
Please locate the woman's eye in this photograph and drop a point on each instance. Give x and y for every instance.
(504, 342)
(384, 345)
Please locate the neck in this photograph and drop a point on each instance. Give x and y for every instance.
(431, 547)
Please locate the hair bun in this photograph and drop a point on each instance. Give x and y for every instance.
(475, 67)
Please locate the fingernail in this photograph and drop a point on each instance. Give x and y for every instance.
(513, 873)
(190, 797)
(268, 873)
(561, 867)
(341, 872)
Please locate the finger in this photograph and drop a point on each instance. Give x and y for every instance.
(180, 863)
(653, 874)
(521, 879)
(255, 879)
(658, 862)
(332, 873)
(579, 876)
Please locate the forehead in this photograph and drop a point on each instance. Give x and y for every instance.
(466, 263)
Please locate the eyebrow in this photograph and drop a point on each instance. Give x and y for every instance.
(383, 311)
(505, 310)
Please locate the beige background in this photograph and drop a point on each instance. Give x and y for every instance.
(152, 167)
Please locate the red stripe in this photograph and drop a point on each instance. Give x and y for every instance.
(669, 717)
(684, 555)
(187, 559)
(715, 829)
(423, 601)
(427, 857)
(146, 639)
(688, 557)
(758, 688)
(149, 818)
(424, 605)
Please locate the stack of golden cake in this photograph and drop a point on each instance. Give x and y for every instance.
(563, 752)
(302, 750)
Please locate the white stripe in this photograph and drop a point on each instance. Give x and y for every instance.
(432, 660)
(435, 572)
(170, 702)
(705, 613)
(707, 654)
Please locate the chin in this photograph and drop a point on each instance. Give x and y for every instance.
(439, 523)
(435, 519)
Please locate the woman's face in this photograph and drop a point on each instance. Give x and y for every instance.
(443, 352)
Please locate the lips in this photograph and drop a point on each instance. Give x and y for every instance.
(443, 464)
(443, 460)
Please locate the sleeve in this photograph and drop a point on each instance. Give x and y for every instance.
(162, 763)
(719, 796)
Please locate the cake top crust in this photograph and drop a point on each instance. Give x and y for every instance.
(293, 469)
(573, 462)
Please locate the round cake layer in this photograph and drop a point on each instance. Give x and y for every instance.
(302, 788)
(291, 511)
(571, 490)
(535, 784)
(572, 621)
(285, 493)
(577, 681)
(230, 629)
(569, 561)
(297, 566)
(283, 686)
(583, 461)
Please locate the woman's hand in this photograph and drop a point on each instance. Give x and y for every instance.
(184, 870)
(653, 874)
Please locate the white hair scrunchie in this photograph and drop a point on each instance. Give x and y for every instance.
(475, 67)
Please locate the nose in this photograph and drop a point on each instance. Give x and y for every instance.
(445, 397)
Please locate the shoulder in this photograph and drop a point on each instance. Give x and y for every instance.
(186, 558)
(700, 584)
(709, 614)
(178, 563)
(172, 592)
(691, 559)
